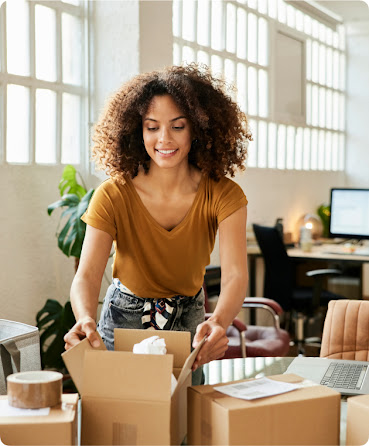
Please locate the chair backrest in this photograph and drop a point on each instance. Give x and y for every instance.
(278, 280)
(346, 330)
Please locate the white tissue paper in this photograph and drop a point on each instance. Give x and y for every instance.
(154, 346)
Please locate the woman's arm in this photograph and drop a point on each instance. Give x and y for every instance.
(86, 286)
(233, 261)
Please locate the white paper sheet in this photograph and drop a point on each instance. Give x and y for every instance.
(259, 388)
(10, 411)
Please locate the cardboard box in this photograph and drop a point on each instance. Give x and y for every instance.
(309, 416)
(357, 426)
(126, 397)
(57, 428)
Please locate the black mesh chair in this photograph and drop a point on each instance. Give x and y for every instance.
(301, 304)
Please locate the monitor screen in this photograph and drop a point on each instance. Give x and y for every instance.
(349, 213)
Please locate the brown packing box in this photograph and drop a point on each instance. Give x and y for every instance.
(126, 397)
(309, 416)
(57, 428)
(357, 426)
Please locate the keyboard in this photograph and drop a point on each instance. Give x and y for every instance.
(344, 376)
(357, 252)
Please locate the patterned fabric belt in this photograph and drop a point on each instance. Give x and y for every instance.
(157, 313)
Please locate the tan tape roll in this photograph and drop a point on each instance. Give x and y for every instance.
(34, 390)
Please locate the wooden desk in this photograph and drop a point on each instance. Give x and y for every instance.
(318, 253)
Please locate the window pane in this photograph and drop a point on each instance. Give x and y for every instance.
(71, 44)
(336, 69)
(342, 72)
(272, 146)
(71, 124)
(252, 149)
(298, 148)
(321, 150)
(315, 62)
(322, 59)
(281, 147)
(252, 3)
(188, 22)
(262, 6)
(241, 86)
(291, 17)
(290, 164)
(314, 105)
(314, 149)
(17, 124)
(241, 33)
(176, 54)
(262, 144)
(328, 151)
(282, 11)
(263, 42)
(299, 21)
(335, 151)
(72, 2)
(216, 66)
(188, 54)
(306, 154)
(322, 32)
(252, 91)
(329, 107)
(308, 104)
(217, 25)
(308, 59)
(335, 110)
(263, 93)
(45, 126)
(17, 35)
(203, 57)
(342, 112)
(341, 156)
(231, 28)
(45, 29)
(203, 22)
(251, 39)
(321, 107)
(307, 25)
(329, 67)
(315, 28)
(229, 71)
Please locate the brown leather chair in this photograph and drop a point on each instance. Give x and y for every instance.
(346, 330)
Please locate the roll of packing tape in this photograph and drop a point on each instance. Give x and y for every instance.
(34, 390)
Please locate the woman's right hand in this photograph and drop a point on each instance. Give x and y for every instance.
(83, 328)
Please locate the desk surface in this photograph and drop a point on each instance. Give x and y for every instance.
(318, 252)
(227, 370)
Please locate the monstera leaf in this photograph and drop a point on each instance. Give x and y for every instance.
(53, 322)
(68, 183)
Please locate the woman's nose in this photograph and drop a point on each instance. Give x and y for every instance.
(164, 135)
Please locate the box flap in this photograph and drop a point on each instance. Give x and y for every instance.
(178, 342)
(124, 375)
(73, 359)
(186, 370)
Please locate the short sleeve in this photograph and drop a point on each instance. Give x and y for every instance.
(100, 211)
(230, 198)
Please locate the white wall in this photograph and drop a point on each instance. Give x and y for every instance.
(32, 268)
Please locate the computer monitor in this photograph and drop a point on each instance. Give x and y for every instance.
(349, 213)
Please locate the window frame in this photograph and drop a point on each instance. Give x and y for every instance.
(58, 86)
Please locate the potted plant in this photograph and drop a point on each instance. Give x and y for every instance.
(55, 320)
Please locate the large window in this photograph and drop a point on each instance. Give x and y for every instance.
(238, 39)
(43, 86)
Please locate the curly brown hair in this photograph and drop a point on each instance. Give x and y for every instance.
(220, 127)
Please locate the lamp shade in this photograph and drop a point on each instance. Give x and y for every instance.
(313, 223)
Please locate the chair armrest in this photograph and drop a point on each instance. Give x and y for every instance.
(251, 302)
(237, 323)
(324, 272)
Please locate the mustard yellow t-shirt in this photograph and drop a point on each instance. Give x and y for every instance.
(151, 261)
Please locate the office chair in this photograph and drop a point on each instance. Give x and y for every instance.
(346, 330)
(250, 341)
(301, 304)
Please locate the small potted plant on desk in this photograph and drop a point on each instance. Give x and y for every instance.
(55, 320)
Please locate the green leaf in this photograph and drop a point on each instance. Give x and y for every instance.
(68, 183)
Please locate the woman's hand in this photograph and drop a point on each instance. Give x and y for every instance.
(215, 345)
(84, 328)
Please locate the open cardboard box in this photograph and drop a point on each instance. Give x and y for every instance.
(126, 397)
(306, 416)
(357, 427)
(57, 428)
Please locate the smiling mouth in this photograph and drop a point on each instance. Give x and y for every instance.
(166, 152)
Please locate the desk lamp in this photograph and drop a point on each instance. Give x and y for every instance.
(312, 223)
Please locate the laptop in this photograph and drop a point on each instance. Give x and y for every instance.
(345, 376)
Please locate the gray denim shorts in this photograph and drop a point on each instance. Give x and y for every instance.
(122, 310)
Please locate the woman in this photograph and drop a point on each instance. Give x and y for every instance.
(166, 139)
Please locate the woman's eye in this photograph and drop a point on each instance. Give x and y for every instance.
(178, 128)
(151, 128)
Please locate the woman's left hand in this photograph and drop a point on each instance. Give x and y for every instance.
(215, 345)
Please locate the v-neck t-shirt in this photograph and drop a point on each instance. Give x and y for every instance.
(149, 260)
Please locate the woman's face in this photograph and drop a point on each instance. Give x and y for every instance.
(167, 133)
